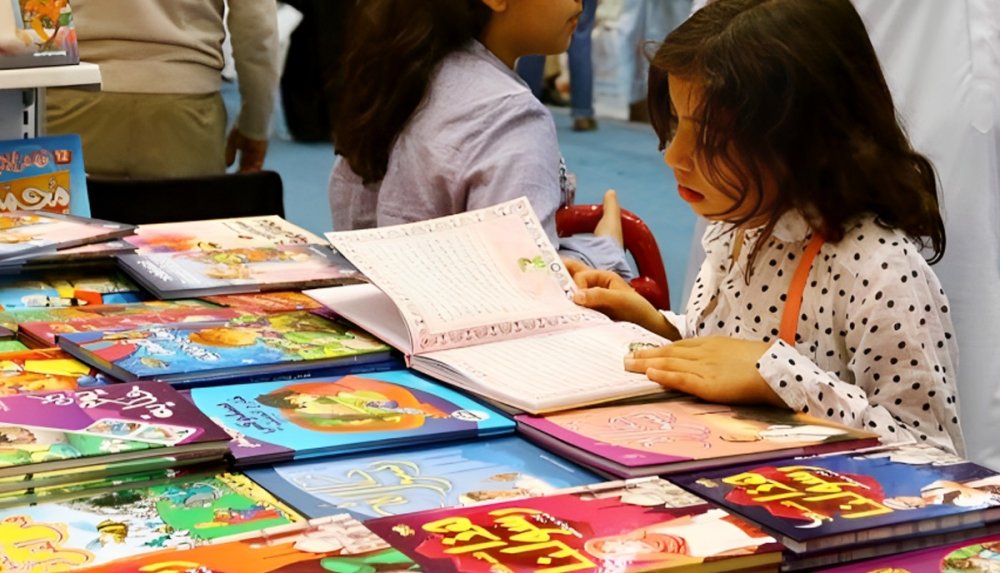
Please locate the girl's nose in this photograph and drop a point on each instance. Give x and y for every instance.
(678, 155)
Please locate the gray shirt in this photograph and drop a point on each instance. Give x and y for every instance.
(479, 138)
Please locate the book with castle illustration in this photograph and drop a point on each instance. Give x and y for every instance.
(28, 233)
(43, 174)
(398, 481)
(338, 543)
(96, 529)
(670, 436)
(229, 256)
(47, 431)
(481, 300)
(245, 348)
(833, 501)
(297, 419)
(644, 525)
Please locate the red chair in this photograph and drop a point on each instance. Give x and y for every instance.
(639, 241)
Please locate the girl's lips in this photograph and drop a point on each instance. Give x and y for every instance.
(689, 195)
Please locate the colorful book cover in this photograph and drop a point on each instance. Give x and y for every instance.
(43, 174)
(44, 333)
(977, 554)
(92, 254)
(27, 233)
(96, 529)
(654, 438)
(211, 352)
(11, 346)
(337, 543)
(284, 420)
(65, 429)
(45, 370)
(13, 317)
(34, 33)
(416, 479)
(266, 302)
(645, 526)
(835, 500)
(216, 234)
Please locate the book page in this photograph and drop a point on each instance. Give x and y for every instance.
(556, 371)
(469, 278)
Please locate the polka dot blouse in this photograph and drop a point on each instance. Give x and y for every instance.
(875, 347)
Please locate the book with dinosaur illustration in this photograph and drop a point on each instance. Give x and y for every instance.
(397, 481)
(245, 348)
(646, 525)
(96, 529)
(48, 431)
(670, 436)
(298, 419)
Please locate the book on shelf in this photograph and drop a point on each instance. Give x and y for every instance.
(644, 525)
(338, 543)
(49, 431)
(398, 481)
(42, 334)
(24, 234)
(979, 553)
(96, 529)
(34, 34)
(677, 435)
(43, 173)
(45, 370)
(481, 300)
(834, 501)
(297, 419)
(230, 256)
(245, 348)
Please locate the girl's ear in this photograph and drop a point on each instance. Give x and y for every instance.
(497, 5)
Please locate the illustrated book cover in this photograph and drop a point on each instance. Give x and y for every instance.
(34, 34)
(91, 255)
(48, 431)
(96, 529)
(27, 233)
(13, 317)
(979, 554)
(266, 302)
(481, 300)
(246, 348)
(43, 174)
(337, 543)
(44, 370)
(670, 436)
(649, 525)
(296, 419)
(214, 234)
(398, 481)
(838, 500)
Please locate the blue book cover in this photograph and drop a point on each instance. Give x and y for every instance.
(43, 173)
(296, 419)
(832, 501)
(395, 482)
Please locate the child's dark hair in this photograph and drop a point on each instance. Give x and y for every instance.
(793, 91)
(393, 47)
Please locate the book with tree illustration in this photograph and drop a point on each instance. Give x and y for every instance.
(299, 419)
(670, 436)
(646, 525)
(44, 370)
(96, 529)
(338, 543)
(48, 431)
(229, 256)
(245, 348)
(29, 233)
(398, 481)
(827, 502)
(481, 300)
(37, 33)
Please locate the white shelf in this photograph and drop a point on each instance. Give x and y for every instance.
(82, 75)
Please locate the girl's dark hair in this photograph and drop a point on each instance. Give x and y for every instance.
(393, 47)
(794, 92)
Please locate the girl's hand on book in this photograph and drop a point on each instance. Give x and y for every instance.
(714, 368)
(608, 293)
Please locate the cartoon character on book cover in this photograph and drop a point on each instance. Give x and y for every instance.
(648, 527)
(96, 529)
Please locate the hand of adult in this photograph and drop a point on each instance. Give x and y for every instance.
(251, 151)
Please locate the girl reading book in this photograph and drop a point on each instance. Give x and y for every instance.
(777, 122)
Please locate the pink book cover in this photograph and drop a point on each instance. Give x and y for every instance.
(977, 554)
(645, 526)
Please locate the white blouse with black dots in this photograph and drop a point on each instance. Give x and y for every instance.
(875, 346)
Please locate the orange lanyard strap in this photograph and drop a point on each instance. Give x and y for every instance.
(793, 300)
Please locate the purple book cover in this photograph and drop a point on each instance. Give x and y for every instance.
(977, 554)
(822, 501)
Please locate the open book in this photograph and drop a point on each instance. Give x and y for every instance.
(481, 300)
